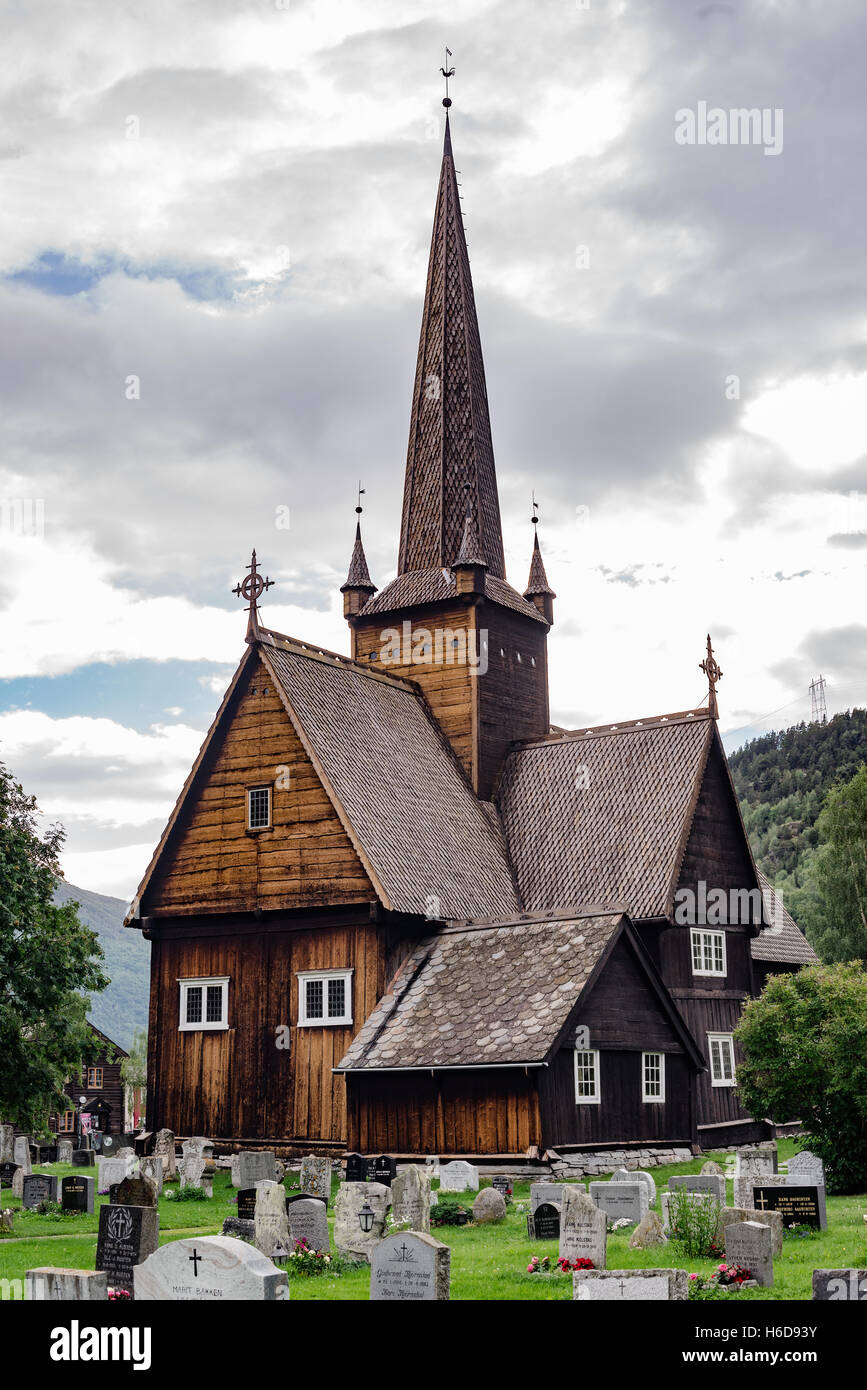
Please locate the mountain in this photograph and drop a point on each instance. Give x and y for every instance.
(122, 1008)
(781, 780)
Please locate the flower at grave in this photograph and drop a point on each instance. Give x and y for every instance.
(115, 1294)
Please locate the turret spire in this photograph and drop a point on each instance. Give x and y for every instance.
(358, 587)
(538, 590)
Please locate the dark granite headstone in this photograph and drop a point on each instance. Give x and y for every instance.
(356, 1168)
(500, 1183)
(382, 1169)
(798, 1206)
(82, 1158)
(7, 1173)
(136, 1191)
(36, 1188)
(76, 1194)
(246, 1204)
(544, 1224)
(127, 1236)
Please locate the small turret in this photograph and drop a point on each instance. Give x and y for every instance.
(470, 565)
(358, 587)
(538, 590)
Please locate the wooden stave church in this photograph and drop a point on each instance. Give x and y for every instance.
(433, 843)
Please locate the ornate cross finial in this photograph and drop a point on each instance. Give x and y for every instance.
(359, 509)
(714, 675)
(447, 72)
(252, 587)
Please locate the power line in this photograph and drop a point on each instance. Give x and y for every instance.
(818, 709)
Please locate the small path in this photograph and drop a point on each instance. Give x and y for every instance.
(91, 1235)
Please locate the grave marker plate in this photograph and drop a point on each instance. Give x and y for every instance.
(82, 1158)
(502, 1184)
(459, 1177)
(700, 1182)
(247, 1204)
(620, 1200)
(629, 1285)
(804, 1205)
(550, 1192)
(382, 1169)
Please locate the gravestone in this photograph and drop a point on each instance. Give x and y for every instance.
(748, 1243)
(382, 1169)
(459, 1177)
(800, 1198)
(760, 1161)
(806, 1162)
(502, 1184)
(356, 1168)
(308, 1220)
(49, 1283)
(489, 1206)
(648, 1232)
(700, 1182)
(638, 1175)
(112, 1170)
(349, 1238)
(199, 1145)
(410, 1197)
(621, 1201)
(630, 1285)
(77, 1193)
(583, 1228)
(64, 1151)
(144, 1143)
(43, 1153)
(127, 1235)
(152, 1168)
(271, 1222)
(111, 1144)
(191, 1169)
(21, 1153)
(164, 1148)
(18, 1177)
(241, 1230)
(209, 1269)
(712, 1167)
(550, 1192)
(7, 1145)
(82, 1158)
(840, 1285)
(409, 1267)
(36, 1188)
(247, 1204)
(253, 1167)
(316, 1176)
(544, 1222)
(7, 1174)
(136, 1191)
(772, 1219)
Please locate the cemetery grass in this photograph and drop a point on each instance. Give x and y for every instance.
(489, 1263)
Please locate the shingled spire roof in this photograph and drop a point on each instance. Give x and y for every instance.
(450, 429)
(538, 581)
(359, 575)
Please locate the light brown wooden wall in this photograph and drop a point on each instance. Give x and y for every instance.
(465, 1112)
(213, 863)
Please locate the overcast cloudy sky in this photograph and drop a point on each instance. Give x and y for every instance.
(232, 204)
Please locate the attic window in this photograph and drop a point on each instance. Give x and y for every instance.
(324, 998)
(259, 808)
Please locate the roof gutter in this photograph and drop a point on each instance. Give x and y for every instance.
(470, 1066)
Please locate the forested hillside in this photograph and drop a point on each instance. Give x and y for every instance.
(782, 780)
(123, 1007)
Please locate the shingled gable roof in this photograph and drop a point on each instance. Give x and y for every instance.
(418, 587)
(782, 941)
(494, 993)
(604, 814)
(392, 778)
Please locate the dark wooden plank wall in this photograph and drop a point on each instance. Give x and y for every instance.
(513, 695)
(716, 1014)
(621, 1116)
(214, 863)
(238, 1083)
(460, 1112)
(111, 1091)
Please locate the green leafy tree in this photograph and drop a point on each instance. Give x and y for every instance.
(134, 1067)
(47, 960)
(805, 1047)
(837, 917)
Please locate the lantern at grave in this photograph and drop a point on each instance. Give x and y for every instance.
(366, 1217)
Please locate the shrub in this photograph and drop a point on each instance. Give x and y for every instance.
(694, 1219)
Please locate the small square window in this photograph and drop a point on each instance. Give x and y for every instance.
(204, 1004)
(586, 1077)
(324, 997)
(653, 1077)
(259, 808)
(721, 1053)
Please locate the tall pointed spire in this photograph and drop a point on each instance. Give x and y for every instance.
(538, 590)
(450, 430)
(358, 587)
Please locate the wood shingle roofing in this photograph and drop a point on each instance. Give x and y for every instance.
(483, 995)
(603, 815)
(418, 587)
(395, 783)
(782, 940)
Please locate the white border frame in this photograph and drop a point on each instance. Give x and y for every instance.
(721, 1038)
(303, 976)
(597, 1076)
(714, 974)
(205, 1026)
(645, 1098)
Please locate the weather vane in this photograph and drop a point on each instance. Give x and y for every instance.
(252, 587)
(714, 675)
(447, 72)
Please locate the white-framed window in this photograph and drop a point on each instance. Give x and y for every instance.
(653, 1077)
(324, 997)
(204, 1004)
(721, 1054)
(587, 1090)
(708, 951)
(258, 808)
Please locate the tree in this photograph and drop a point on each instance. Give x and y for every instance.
(805, 1047)
(134, 1067)
(47, 958)
(837, 925)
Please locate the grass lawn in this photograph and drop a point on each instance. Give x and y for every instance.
(488, 1262)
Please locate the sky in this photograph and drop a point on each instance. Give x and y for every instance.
(214, 231)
